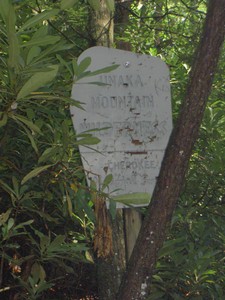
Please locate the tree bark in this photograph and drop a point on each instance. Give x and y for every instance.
(111, 268)
(101, 26)
(136, 282)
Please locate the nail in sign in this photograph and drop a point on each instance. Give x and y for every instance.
(132, 107)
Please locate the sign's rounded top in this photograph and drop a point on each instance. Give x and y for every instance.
(101, 52)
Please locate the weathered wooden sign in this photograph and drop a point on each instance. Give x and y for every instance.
(133, 109)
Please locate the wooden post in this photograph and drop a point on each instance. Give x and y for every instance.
(132, 218)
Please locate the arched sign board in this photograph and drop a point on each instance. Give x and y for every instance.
(132, 106)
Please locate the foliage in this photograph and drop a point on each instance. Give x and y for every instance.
(46, 221)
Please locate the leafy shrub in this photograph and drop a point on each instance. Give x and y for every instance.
(46, 220)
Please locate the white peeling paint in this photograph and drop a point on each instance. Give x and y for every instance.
(133, 103)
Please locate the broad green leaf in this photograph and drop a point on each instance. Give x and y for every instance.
(10, 223)
(170, 246)
(42, 41)
(44, 243)
(108, 179)
(27, 122)
(47, 154)
(4, 9)
(133, 199)
(112, 208)
(40, 32)
(42, 274)
(84, 64)
(34, 173)
(67, 3)
(38, 18)
(33, 52)
(54, 246)
(37, 81)
(4, 216)
(35, 272)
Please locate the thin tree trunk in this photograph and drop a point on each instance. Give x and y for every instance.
(111, 268)
(136, 282)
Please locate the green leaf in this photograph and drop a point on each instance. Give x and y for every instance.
(27, 122)
(48, 154)
(3, 119)
(10, 223)
(41, 41)
(15, 185)
(172, 246)
(44, 243)
(4, 9)
(75, 66)
(108, 179)
(6, 188)
(67, 3)
(34, 173)
(40, 32)
(4, 216)
(39, 18)
(37, 81)
(88, 141)
(33, 52)
(100, 71)
(60, 46)
(65, 64)
(56, 243)
(35, 272)
(21, 225)
(84, 64)
(104, 70)
(112, 208)
(69, 204)
(134, 198)
(99, 83)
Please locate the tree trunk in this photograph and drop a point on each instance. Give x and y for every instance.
(111, 268)
(101, 26)
(136, 282)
